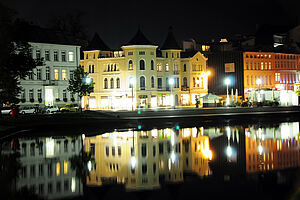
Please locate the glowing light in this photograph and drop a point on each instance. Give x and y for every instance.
(260, 149)
(258, 81)
(173, 157)
(49, 147)
(133, 162)
(73, 184)
(139, 127)
(171, 81)
(227, 81)
(89, 165)
(229, 151)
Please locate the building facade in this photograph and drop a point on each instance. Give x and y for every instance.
(47, 84)
(141, 75)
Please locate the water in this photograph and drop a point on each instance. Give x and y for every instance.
(243, 161)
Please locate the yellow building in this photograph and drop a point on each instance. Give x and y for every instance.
(143, 75)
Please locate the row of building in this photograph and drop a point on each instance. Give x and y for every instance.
(142, 74)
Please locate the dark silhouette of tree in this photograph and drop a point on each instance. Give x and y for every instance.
(15, 57)
(79, 164)
(79, 84)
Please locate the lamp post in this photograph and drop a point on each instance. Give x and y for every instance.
(227, 82)
(131, 82)
(171, 82)
(87, 81)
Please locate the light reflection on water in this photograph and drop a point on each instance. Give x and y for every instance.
(145, 160)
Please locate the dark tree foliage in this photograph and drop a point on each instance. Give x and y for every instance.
(78, 85)
(79, 164)
(15, 58)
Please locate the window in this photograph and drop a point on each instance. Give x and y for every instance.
(93, 69)
(142, 52)
(71, 74)
(152, 82)
(66, 166)
(277, 76)
(130, 53)
(71, 56)
(39, 74)
(159, 83)
(58, 169)
(167, 67)
(32, 149)
(113, 151)
(49, 188)
(161, 148)
(38, 54)
(64, 94)
(49, 169)
(111, 83)
(64, 74)
(175, 68)
(56, 74)
(47, 55)
(142, 65)
(63, 56)
(30, 75)
(66, 146)
(152, 65)
(41, 170)
(184, 82)
(144, 168)
(142, 83)
(31, 95)
(55, 55)
(184, 67)
(105, 83)
(58, 186)
(159, 67)
(119, 151)
(144, 150)
(118, 83)
(107, 151)
(130, 65)
(24, 149)
(154, 150)
(47, 73)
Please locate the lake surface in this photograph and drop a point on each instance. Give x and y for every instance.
(258, 161)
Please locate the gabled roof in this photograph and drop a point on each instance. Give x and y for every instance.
(139, 39)
(97, 44)
(170, 42)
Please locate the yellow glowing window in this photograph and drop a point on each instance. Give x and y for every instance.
(64, 74)
(66, 167)
(57, 168)
(56, 74)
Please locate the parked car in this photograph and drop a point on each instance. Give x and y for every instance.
(51, 109)
(28, 110)
(6, 111)
(70, 107)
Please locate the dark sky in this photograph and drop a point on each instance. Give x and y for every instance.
(117, 21)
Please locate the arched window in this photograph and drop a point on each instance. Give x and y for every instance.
(152, 82)
(152, 65)
(87, 56)
(118, 82)
(108, 68)
(184, 81)
(89, 68)
(115, 68)
(142, 83)
(142, 65)
(184, 67)
(111, 83)
(105, 83)
(130, 65)
(93, 68)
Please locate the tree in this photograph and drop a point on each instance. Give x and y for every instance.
(16, 60)
(81, 84)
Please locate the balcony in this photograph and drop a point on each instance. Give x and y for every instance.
(185, 88)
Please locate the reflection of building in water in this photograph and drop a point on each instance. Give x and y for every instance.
(160, 156)
(195, 151)
(256, 150)
(46, 166)
(272, 148)
(156, 158)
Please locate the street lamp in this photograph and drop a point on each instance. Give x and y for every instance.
(227, 82)
(171, 82)
(131, 82)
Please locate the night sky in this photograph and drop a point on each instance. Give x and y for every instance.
(117, 21)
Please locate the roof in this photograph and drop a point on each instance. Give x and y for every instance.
(170, 42)
(139, 39)
(97, 44)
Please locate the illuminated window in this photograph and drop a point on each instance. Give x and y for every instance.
(71, 56)
(57, 168)
(56, 74)
(159, 67)
(64, 74)
(262, 66)
(66, 167)
(167, 67)
(277, 76)
(130, 65)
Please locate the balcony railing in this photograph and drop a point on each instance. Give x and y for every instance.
(185, 88)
